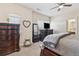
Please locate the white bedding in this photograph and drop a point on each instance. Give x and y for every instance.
(68, 46)
(54, 37)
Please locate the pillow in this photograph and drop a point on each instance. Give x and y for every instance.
(49, 44)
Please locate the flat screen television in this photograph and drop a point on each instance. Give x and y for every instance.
(46, 25)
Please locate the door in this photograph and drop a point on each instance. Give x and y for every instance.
(35, 37)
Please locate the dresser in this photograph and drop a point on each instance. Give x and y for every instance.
(9, 38)
(44, 33)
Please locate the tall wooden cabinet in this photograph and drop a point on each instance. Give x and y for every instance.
(9, 38)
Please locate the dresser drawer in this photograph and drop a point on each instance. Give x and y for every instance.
(4, 43)
(5, 51)
(4, 37)
(3, 32)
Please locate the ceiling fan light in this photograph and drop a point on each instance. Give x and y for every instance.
(61, 6)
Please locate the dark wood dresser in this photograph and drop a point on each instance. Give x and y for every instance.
(44, 33)
(9, 38)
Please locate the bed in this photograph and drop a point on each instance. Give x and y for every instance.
(65, 44)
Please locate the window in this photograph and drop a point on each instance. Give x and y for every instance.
(71, 25)
(13, 18)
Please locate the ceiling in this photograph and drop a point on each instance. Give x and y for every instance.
(44, 8)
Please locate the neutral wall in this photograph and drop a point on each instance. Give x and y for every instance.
(24, 13)
(40, 19)
(59, 23)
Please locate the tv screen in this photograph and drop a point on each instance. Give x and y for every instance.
(46, 25)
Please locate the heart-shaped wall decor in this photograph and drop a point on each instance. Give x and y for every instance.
(26, 23)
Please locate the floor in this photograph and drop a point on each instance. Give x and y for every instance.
(33, 50)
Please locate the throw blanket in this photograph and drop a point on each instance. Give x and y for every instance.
(53, 39)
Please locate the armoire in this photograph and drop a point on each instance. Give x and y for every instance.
(9, 38)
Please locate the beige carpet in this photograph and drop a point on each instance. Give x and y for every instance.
(33, 50)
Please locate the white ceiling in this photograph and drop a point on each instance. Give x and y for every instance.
(45, 8)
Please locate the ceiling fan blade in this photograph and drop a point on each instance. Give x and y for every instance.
(60, 3)
(58, 9)
(54, 7)
(67, 5)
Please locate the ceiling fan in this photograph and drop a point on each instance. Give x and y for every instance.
(61, 5)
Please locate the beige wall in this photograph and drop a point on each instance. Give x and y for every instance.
(59, 23)
(40, 19)
(24, 13)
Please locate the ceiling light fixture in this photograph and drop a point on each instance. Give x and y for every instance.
(61, 6)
